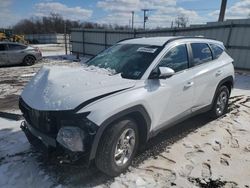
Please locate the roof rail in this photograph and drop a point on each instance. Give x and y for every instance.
(186, 37)
(128, 39)
(182, 37)
(172, 39)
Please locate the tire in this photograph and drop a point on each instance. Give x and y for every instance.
(109, 146)
(220, 103)
(29, 60)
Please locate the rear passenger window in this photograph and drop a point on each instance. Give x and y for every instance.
(201, 53)
(16, 47)
(217, 51)
(176, 58)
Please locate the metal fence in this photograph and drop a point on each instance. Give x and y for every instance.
(235, 34)
(47, 38)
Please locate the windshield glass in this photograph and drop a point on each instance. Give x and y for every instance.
(131, 60)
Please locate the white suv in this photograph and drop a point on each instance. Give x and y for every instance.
(140, 87)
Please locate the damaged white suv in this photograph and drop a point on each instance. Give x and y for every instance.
(104, 116)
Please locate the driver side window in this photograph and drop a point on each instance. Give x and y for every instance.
(176, 58)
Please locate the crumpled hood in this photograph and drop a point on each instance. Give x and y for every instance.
(65, 88)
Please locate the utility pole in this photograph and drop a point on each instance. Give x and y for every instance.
(132, 19)
(172, 24)
(144, 17)
(65, 39)
(222, 10)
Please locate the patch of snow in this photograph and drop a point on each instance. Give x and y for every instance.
(18, 167)
(28, 75)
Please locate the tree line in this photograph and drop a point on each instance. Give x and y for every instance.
(55, 23)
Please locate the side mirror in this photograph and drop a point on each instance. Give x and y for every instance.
(165, 72)
(162, 73)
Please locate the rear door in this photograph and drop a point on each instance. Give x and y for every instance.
(204, 69)
(3, 54)
(16, 53)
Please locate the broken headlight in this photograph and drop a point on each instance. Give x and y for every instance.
(71, 138)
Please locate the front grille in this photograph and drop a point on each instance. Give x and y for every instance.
(44, 121)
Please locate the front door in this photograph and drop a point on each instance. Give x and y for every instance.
(174, 95)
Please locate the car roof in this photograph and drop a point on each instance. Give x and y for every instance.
(161, 41)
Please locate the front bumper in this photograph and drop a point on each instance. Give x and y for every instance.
(38, 56)
(49, 146)
(43, 143)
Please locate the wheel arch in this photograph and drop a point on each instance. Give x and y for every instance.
(228, 82)
(137, 113)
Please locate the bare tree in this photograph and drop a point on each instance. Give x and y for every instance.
(54, 23)
(181, 21)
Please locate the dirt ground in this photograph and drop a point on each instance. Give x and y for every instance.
(199, 152)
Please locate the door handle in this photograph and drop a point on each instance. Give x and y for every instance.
(188, 85)
(218, 73)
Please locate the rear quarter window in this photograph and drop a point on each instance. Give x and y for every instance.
(217, 50)
(201, 53)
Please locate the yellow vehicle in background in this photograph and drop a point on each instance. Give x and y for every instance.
(19, 38)
(7, 35)
(2, 36)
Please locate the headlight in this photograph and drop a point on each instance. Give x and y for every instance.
(71, 138)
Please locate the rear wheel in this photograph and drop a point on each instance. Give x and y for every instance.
(220, 104)
(117, 147)
(29, 60)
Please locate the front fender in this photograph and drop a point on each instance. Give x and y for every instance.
(138, 108)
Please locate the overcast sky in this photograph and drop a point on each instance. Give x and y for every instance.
(119, 11)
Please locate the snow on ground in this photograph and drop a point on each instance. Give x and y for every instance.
(218, 153)
(196, 153)
(51, 49)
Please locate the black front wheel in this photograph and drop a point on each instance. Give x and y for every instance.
(117, 147)
(29, 60)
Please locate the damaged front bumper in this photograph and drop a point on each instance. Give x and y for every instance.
(49, 146)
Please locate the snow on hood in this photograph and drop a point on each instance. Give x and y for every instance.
(64, 88)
